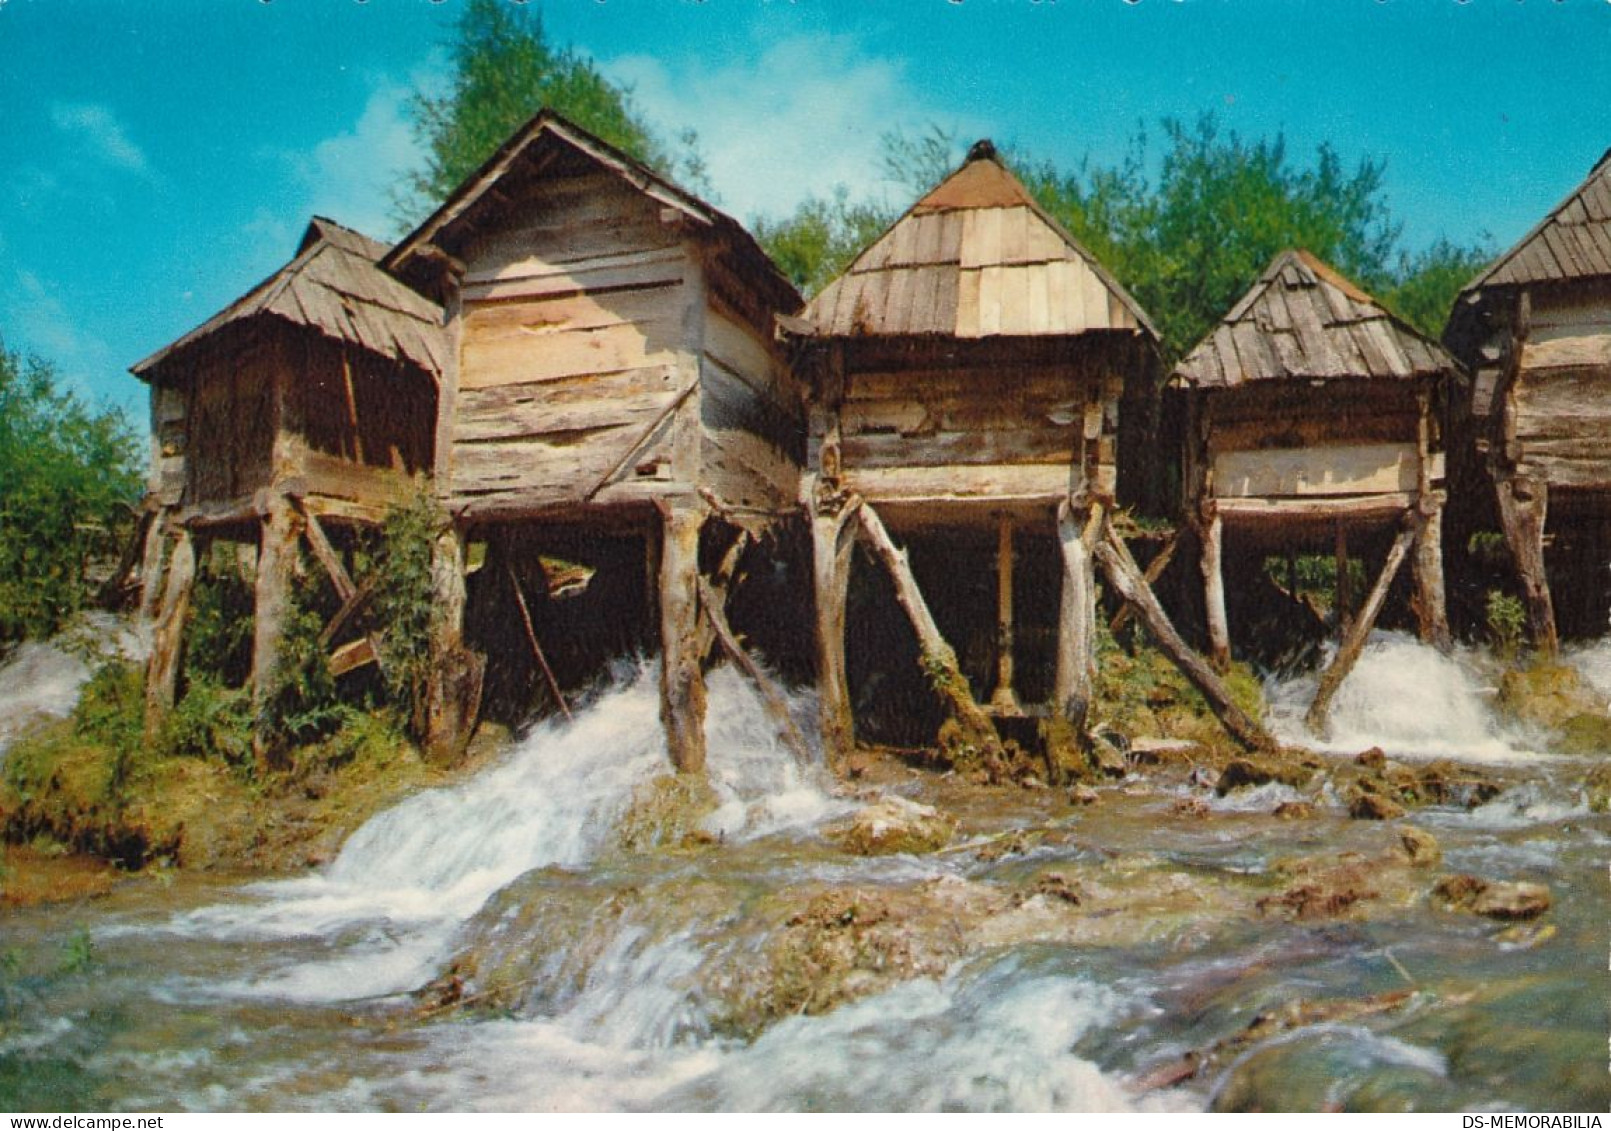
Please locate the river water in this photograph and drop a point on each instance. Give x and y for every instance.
(622, 977)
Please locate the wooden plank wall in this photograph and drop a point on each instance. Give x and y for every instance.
(752, 414)
(571, 322)
(1006, 430)
(168, 430)
(1562, 392)
(232, 421)
(351, 406)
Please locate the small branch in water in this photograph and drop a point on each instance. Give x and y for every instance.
(1397, 965)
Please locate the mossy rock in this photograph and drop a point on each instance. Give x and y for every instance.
(1545, 694)
(1585, 734)
(666, 812)
(893, 826)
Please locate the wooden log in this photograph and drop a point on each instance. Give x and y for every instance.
(453, 689)
(276, 574)
(1354, 642)
(536, 646)
(1077, 529)
(352, 656)
(327, 557)
(1213, 566)
(1004, 701)
(772, 697)
(1127, 580)
(1430, 606)
(1344, 583)
(167, 638)
(682, 681)
(938, 660)
(1523, 509)
(832, 549)
(151, 561)
(722, 576)
(1155, 570)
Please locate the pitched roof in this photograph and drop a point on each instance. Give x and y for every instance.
(334, 287)
(1304, 321)
(548, 135)
(977, 257)
(1572, 242)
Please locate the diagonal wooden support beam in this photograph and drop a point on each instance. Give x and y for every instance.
(1127, 580)
(1354, 643)
(1155, 570)
(536, 647)
(938, 659)
(772, 697)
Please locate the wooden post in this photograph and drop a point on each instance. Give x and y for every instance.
(832, 549)
(1343, 584)
(1004, 700)
(772, 697)
(1126, 578)
(536, 645)
(682, 680)
(1354, 643)
(1523, 509)
(1219, 633)
(1076, 617)
(1431, 611)
(167, 638)
(938, 660)
(276, 574)
(453, 689)
(156, 544)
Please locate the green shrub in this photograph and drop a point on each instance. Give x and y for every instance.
(218, 637)
(210, 723)
(399, 573)
(1507, 620)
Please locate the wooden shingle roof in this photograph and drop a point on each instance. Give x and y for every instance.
(975, 258)
(1304, 321)
(1572, 242)
(334, 286)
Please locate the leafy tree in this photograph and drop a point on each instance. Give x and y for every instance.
(68, 480)
(504, 71)
(1427, 283)
(819, 240)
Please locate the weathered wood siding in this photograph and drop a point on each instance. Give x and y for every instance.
(752, 416)
(1296, 440)
(572, 322)
(1561, 424)
(233, 415)
(1009, 430)
(168, 430)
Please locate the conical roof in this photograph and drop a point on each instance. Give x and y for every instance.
(974, 258)
(1304, 321)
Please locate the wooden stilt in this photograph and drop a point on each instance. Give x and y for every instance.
(276, 573)
(682, 680)
(1354, 642)
(531, 638)
(452, 700)
(1126, 578)
(832, 548)
(1523, 510)
(1077, 528)
(937, 657)
(167, 638)
(151, 561)
(1431, 612)
(721, 579)
(772, 697)
(1219, 633)
(1004, 701)
(1155, 570)
(1344, 583)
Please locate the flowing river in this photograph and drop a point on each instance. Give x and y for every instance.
(567, 972)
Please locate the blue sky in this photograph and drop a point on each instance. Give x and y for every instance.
(160, 157)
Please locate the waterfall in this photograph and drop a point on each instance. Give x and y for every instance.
(41, 680)
(1405, 697)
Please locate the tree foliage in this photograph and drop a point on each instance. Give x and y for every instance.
(1186, 232)
(504, 70)
(69, 480)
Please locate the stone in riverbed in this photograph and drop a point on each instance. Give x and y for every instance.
(1492, 899)
(1419, 846)
(1294, 810)
(1242, 772)
(1598, 787)
(894, 825)
(1365, 805)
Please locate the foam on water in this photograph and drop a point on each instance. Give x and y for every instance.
(41, 679)
(1407, 698)
(404, 882)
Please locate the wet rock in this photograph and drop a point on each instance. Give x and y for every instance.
(1445, 783)
(1244, 772)
(1151, 751)
(666, 810)
(1321, 897)
(1203, 777)
(1058, 887)
(1294, 810)
(1598, 787)
(1492, 899)
(1585, 735)
(1015, 843)
(1189, 807)
(1419, 846)
(1546, 694)
(1372, 759)
(1106, 758)
(894, 825)
(1366, 805)
(1084, 795)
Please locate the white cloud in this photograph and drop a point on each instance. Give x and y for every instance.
(797, 119)
(44, 326)
(350, 177)
(101, 133)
